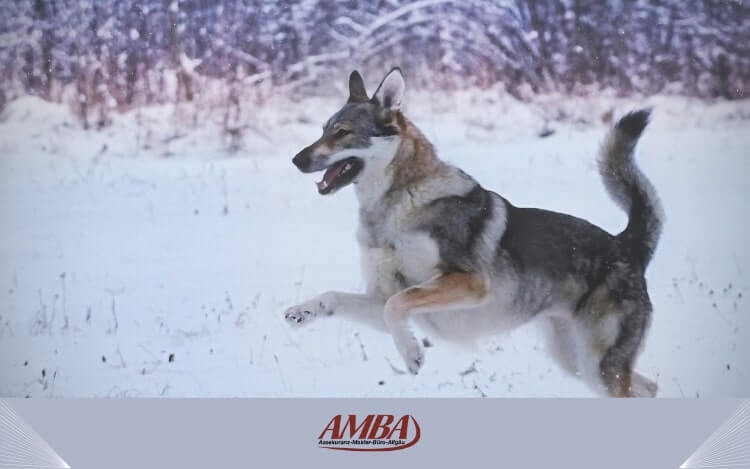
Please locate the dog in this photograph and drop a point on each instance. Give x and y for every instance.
(439, 250)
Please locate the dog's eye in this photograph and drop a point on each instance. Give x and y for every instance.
(342, 133)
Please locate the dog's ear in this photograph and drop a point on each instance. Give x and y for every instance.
(357, 92)
(391, 90)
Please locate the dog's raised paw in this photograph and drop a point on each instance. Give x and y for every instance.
(410, 350)
(305, 312)
(414, 359)
(297, 317)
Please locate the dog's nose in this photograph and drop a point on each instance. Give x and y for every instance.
(301, 160)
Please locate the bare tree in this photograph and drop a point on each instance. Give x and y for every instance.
(125, 51)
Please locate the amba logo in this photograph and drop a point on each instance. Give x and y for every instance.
(382, 432)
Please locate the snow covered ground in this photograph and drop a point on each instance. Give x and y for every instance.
(143, 260)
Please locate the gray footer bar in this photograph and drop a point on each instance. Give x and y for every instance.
(498, 433)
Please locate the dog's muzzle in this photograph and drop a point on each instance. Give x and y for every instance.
(302, 160)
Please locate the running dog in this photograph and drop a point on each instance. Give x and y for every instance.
(440, 250)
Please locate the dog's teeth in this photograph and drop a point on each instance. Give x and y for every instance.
(347, 166)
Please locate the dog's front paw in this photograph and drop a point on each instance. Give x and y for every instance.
(306, 312)
(415, 360)
(412, 353)
(296, 315)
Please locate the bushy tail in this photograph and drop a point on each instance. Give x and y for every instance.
(630, 188)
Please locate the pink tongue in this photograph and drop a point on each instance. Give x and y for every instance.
(330, 174)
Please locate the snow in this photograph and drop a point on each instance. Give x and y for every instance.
(148, 240)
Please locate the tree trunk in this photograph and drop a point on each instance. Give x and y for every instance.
(184, 80)
(42, 13)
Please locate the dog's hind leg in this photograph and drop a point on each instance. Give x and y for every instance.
(611, 337)
(561, 345)
(444, 292)
(644, 387)
(616, 366)
(365, 309)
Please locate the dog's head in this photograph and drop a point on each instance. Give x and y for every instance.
(362, 135)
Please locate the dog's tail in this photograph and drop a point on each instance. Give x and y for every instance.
(630, 188)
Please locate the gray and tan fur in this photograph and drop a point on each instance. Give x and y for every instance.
(440, 250)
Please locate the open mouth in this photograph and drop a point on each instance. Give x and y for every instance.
(340, 174)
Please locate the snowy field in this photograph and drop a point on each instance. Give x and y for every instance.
(144, 260)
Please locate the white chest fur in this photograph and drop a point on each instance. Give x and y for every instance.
(394, 255)
(395, 251)
(411, 259)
